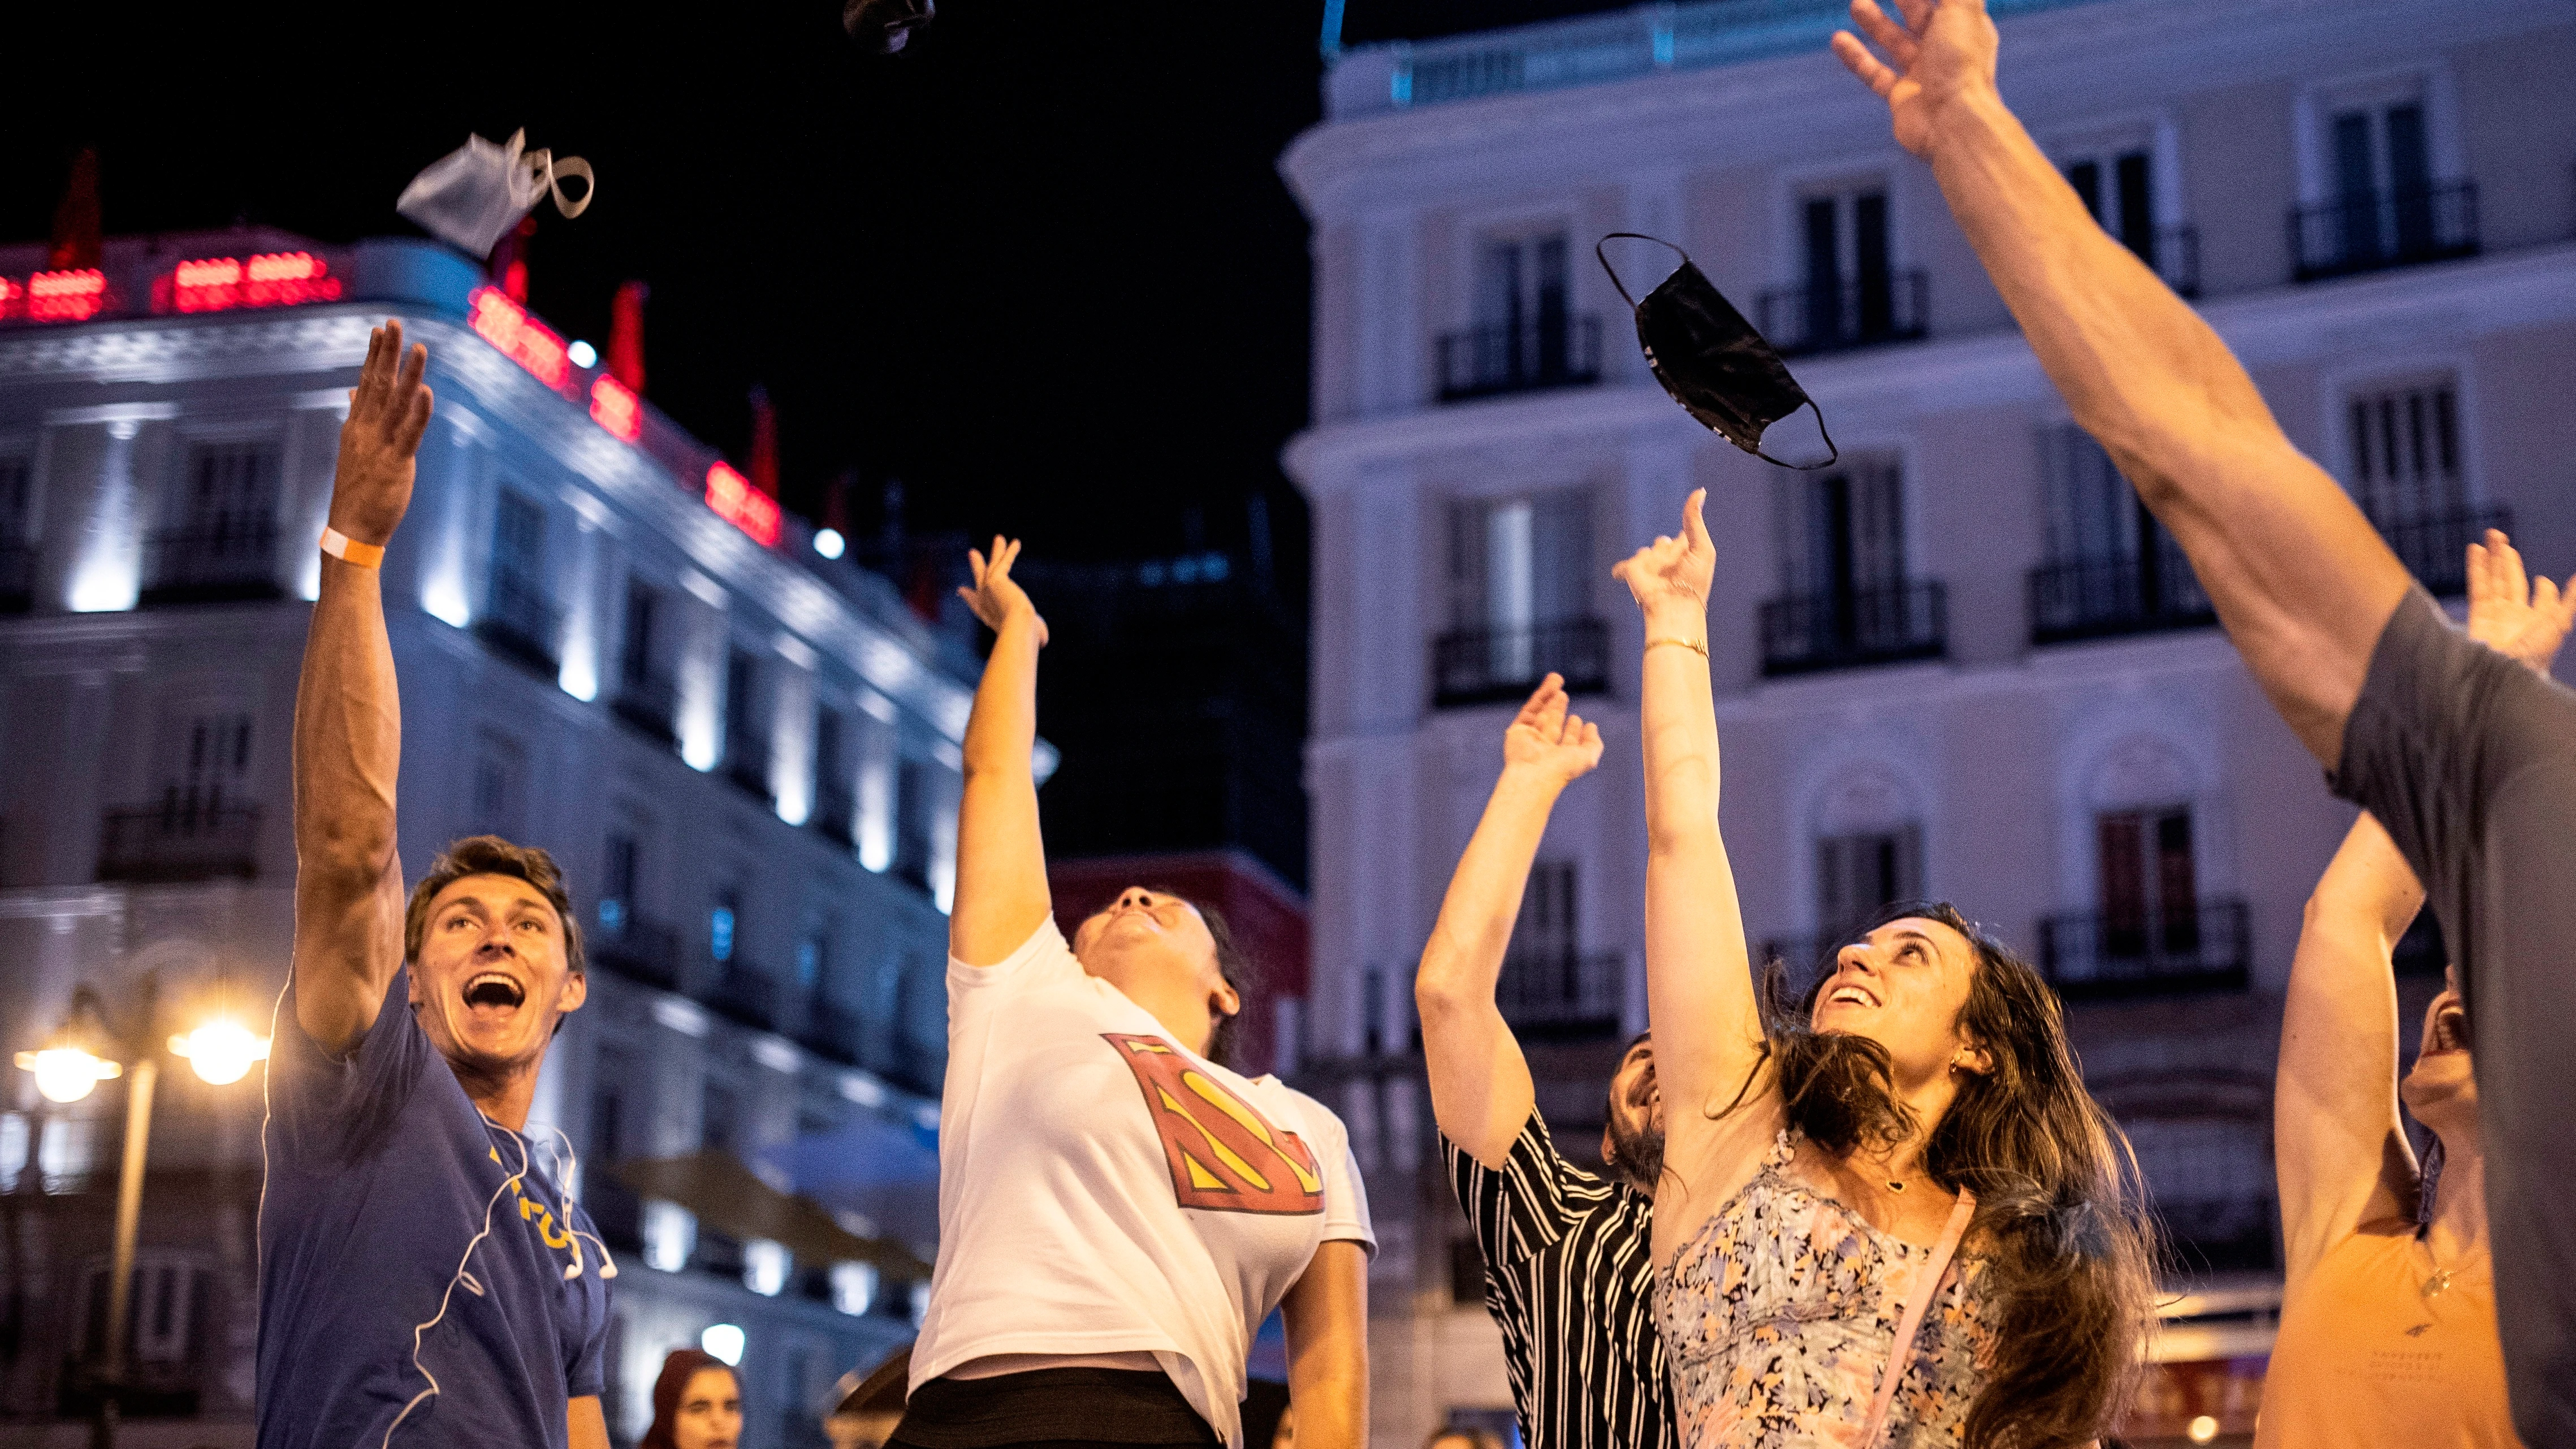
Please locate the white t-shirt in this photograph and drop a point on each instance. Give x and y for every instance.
(1103, 1189)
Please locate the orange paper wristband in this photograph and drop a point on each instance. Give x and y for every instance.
(348, 550)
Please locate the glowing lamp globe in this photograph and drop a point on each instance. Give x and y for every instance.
(67, 1073)
(724, 1341)
(221, 1051)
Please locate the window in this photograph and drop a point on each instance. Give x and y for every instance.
(813, 955)
(167, 1297)
(1846, 598)
(1545, 929)
(2149, 887)
(915, 803)
(2406, 472)
(2210, 1179)
(2371, 178)
(635, 655)
(1858, 873)
(220, 538)
(746, 725)
(720, 1121)
(835, 811)
(1848, 286)
(722, 923)
(1520, 597)
(17, 528)
(500, 768)
(2118, 189)
(206, 768)
(1524, 335)
(2111, 568)
(617, 881)
(519, 614)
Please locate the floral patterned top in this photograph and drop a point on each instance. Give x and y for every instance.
(1777, 1319)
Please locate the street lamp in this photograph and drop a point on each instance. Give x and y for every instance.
(82, 1053)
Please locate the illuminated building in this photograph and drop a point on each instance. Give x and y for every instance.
(1960, 664)
(744, 755)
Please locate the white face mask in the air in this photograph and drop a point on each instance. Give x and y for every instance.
(475, 193)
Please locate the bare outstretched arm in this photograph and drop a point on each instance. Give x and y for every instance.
(2342, 1158)
(2297, 574)
(1699, 986)
(348, 718)
(1481, 1091)
(1001, 858)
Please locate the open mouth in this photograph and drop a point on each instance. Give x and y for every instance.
(1851, 996)
(2450, 1030)
(493, 988)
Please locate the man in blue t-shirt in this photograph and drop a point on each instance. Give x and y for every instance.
(423, 1280)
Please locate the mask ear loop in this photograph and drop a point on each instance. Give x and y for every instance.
(1832, 453)
(1604, 260)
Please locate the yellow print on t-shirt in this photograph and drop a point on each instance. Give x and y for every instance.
(1223, 1153)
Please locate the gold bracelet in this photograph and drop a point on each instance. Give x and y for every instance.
(1693, 645)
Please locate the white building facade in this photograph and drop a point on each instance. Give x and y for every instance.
(744, 756)
(1961, 663)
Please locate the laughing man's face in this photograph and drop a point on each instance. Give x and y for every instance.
(491, 978)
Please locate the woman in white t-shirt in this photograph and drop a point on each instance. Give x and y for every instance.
(1118, 1211)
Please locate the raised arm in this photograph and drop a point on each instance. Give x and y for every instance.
(2341, 1157)
(2301, 580)
(1001, 858)
(1480, 1083)
(348, 719)
(1699, 987)
(1326, 1316)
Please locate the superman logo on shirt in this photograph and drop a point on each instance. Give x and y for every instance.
(1223, 1153)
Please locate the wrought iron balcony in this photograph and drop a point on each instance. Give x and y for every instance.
(2434, 545)
(233, 561)
(520, 622)
(834, 815)
(1828, 314)
(744, 993)
(1563, 994)
(17, 577)
(2104, 954)
(178, 841)
(642, 950)
(2101, 598)
(1809, 633)
(650, 703)
(1482, 666)
(2368, 231)
(1554, 351)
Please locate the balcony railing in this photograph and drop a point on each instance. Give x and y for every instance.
(745, 993)
(650, 703)
(2434, 546)
(2371, 230)
(746, 764)
(520, 622)
(179, 841)
(1563, 994)
(17, 577)
(1481, 666)
(641, 950)
(1807, 633)
(1828, 314)
(231, 561)
(2100, 598)
(834, 815)
(2099, 954)
(1554, 351)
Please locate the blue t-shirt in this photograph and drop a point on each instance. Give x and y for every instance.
(381, 1176)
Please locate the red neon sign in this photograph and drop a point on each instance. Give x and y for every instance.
(74, 296)
(521, 338)
(736, 502)
(616, 409)
(271, 279)
(13, 298)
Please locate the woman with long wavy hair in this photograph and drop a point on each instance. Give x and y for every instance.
(1890, 1214)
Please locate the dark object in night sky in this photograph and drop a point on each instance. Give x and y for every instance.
(884, 25)
(1713, 362)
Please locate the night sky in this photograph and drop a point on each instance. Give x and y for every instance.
(1040, 267)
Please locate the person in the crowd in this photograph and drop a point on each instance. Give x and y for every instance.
(697, 1403)
(2387, 1265)
(1463, 1436)
(2468, 759)
(1118, 1209)
(423, 1281)
(1824, 1162)
(1568, 1277)
(865, 1407)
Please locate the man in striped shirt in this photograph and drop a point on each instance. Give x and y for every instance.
(1568, 1273)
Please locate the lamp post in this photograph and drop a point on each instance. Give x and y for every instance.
(81, 1053)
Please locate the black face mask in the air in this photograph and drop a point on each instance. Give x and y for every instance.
(1711, 360)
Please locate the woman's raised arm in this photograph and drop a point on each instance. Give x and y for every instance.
(1001, 857)
(1699, 987)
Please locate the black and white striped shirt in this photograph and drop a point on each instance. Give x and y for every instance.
(1569, 1277)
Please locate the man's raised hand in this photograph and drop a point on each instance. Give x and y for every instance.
(995, 595)
(1548, 740)
(388, 413)
(1669, 578)
(2513, 614)
(1936, 53)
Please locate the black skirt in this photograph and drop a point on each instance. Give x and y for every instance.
(1063, 1408)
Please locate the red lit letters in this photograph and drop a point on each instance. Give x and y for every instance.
(736, 502)
(521, 338)
(74, 296)
(616, 409)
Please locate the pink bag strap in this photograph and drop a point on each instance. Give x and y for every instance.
(1900, 1350)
